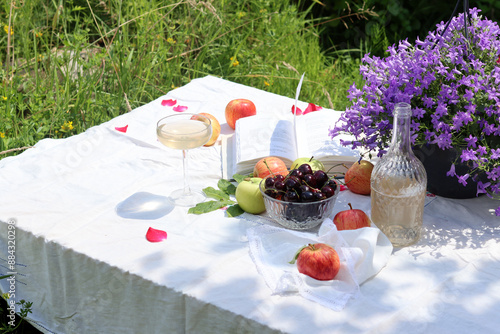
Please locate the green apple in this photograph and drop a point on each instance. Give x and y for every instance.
(249, 196)
(315, 164)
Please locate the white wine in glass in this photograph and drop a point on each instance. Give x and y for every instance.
(184, 131)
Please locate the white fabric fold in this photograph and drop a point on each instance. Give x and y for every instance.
(362, 252)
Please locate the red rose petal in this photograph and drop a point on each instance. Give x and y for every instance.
(168, 103)
(312, 107)
(299, 112)
(122, 129)
(154, 235)
(342, 187)
(180, 108)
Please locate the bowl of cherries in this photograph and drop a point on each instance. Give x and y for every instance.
(300, 200)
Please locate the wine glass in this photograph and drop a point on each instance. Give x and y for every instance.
(183, 132)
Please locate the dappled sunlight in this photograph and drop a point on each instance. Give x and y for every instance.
(453, 224)
(144, 205)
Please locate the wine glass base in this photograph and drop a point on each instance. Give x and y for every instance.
(181, 198)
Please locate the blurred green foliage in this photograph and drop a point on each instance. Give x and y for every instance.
(67, 65)
(391, 21)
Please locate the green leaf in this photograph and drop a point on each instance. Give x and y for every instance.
(227, 186)
(209, 206)
(394, 8)
(216, 194)
(234, 211)
(297, 254)
(239, 177)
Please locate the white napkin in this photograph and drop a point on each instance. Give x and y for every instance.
(362, 252)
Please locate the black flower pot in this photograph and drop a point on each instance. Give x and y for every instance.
(437, 163)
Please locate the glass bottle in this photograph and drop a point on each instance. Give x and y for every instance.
(398, 185)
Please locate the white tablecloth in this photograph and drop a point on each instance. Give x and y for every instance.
(87, 267)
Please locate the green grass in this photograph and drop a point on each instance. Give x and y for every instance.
(70, 65)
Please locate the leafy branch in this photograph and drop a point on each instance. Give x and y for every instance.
(221, 198)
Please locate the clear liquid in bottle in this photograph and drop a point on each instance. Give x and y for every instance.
(398, 186)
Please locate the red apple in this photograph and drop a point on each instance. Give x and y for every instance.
(269, 166)
(237, 109)
(351, 219)
(357, 177)
(319, 261)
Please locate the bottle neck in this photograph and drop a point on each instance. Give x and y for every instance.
(401, 131)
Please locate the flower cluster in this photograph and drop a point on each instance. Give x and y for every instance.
(452, 81)
(234, 61)
(8, 29)
(67, 126)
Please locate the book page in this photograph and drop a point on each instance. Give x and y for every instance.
(228, 161)
(314, 138)
(258, 137)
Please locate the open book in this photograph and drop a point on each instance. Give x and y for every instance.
(260, 136)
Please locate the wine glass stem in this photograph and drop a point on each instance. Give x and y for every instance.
(187, 190)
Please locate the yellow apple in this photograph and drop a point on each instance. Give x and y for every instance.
(215, 127)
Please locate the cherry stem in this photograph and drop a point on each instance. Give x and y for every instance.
(269, 169)
(349, 180)
(332, 178)
(341, 164)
